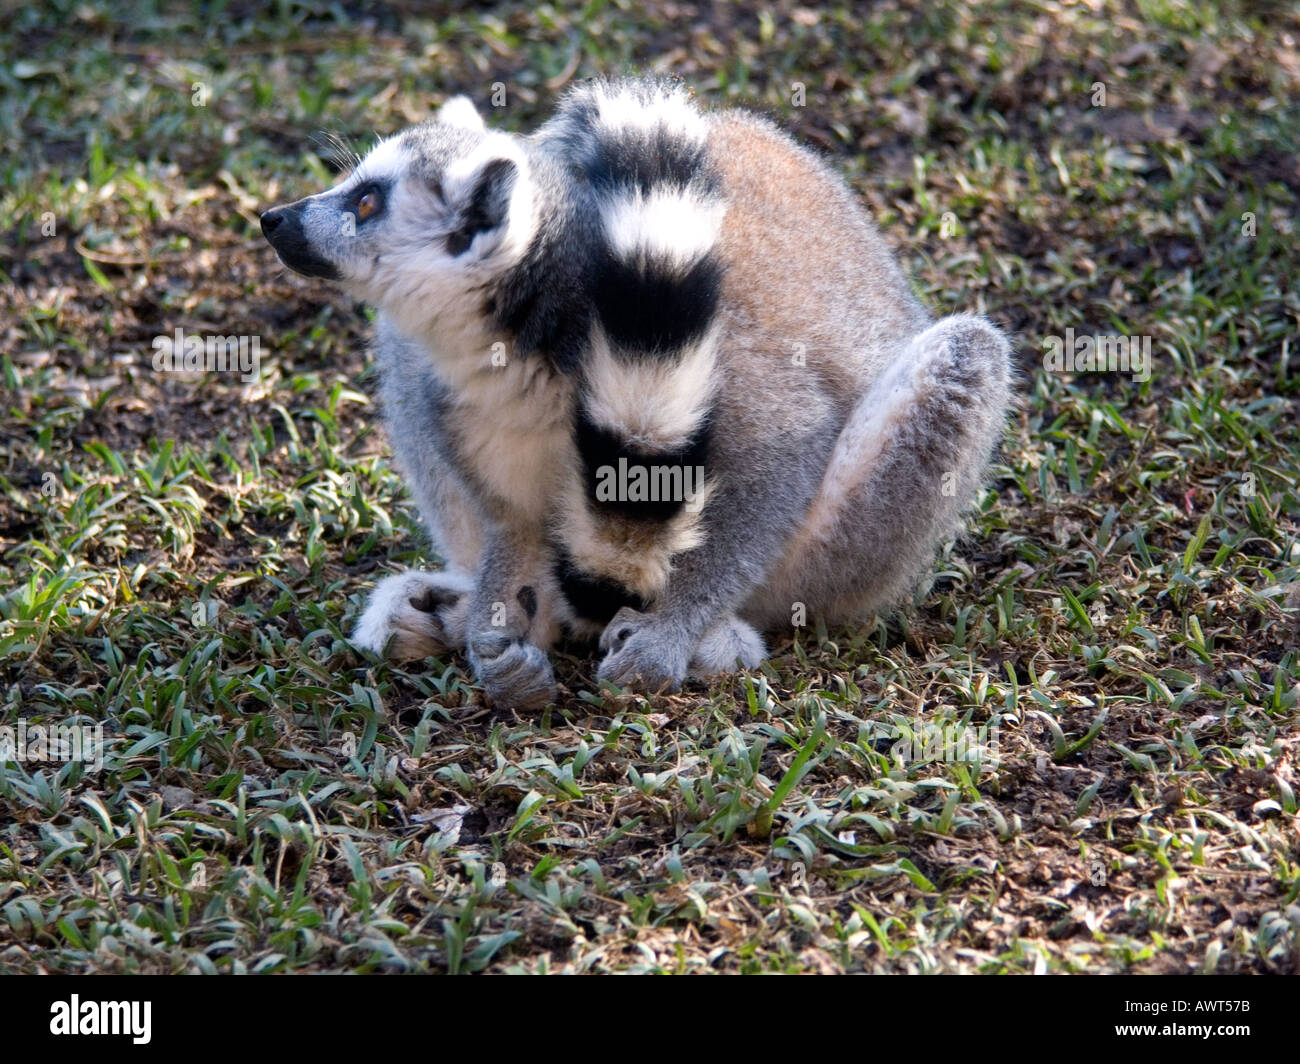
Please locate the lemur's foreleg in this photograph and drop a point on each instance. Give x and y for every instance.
(511, 622)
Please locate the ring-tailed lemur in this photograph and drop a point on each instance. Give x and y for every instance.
(652, 375)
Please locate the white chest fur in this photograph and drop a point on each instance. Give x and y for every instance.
(513, 424)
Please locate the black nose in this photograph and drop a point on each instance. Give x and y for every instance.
(283, 229)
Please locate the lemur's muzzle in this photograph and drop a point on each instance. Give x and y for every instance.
(282, 227)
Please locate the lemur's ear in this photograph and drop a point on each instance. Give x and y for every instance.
(482, 199)
(459, 111)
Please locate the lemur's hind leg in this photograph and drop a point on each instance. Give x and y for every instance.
(418, 614)
(908, 461)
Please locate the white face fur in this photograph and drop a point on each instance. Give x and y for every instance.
(428, 215)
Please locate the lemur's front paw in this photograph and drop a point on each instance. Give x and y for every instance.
(642, 651)
(414, 615)
(515, 674)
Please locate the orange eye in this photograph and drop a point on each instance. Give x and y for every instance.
(367, 205)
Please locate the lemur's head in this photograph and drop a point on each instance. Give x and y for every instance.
(428, 215)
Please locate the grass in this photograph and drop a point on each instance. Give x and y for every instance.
(1116, 635)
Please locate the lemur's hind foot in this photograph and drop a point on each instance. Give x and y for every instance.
(730, 645)
(415, 615)
(641, 651)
